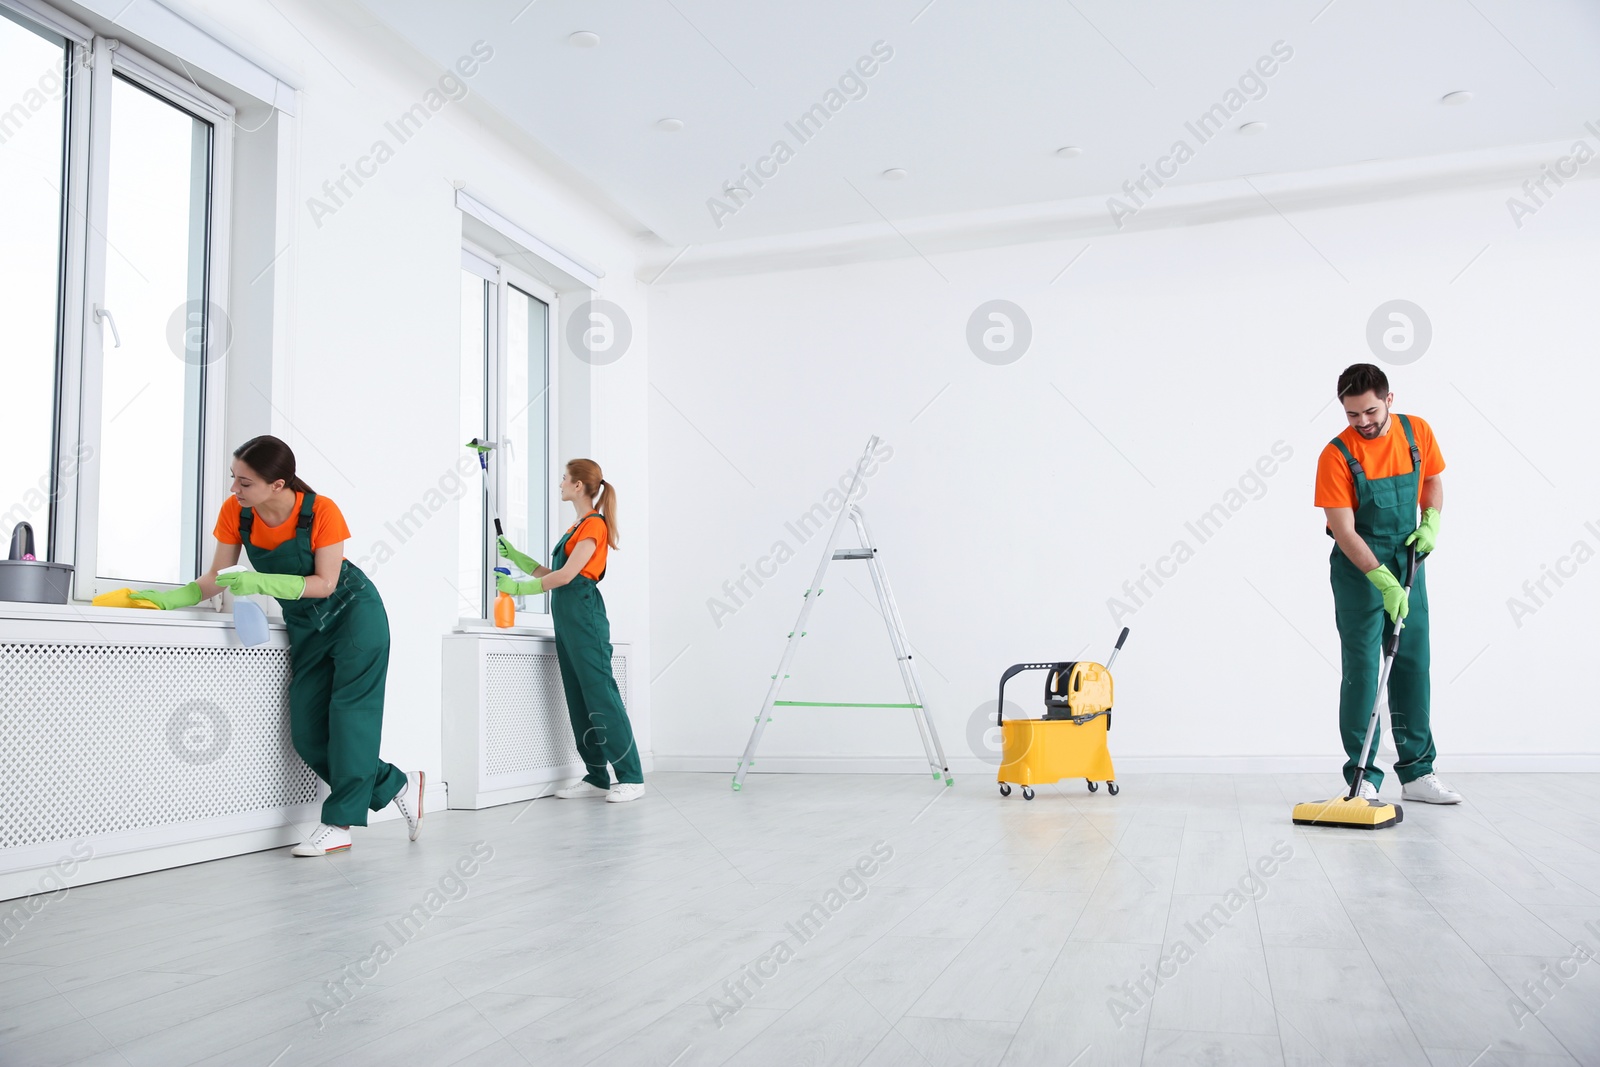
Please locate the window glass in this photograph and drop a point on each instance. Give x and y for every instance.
(155, 289)
(32, 158)
(527, 459)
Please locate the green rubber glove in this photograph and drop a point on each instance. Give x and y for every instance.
(1396, 601)
(530, 587)
(523, 561)
(1426, 535)
(253, 583)
(167, 599)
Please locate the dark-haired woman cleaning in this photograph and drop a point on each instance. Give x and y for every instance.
(338, 635)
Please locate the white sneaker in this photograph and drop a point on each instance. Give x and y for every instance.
(1368, 790)
(1430, 789)
(324, 841)
(409, 801)
(622, 792)
(580, 789)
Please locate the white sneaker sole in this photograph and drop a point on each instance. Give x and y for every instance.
(1411, 798)
(422, 789)
(587, 794)
(413, 828)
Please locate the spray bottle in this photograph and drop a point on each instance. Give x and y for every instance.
(505, 605)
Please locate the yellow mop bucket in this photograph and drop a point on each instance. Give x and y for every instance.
(1070, 741)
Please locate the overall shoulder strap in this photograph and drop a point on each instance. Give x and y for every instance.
(302, 529)
(247, 521)
(1411, 439)
(1356, 471)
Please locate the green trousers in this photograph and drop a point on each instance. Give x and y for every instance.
(1363, 628)
(336, 708)
(600, 723)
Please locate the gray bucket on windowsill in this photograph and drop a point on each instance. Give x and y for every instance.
(34, 581)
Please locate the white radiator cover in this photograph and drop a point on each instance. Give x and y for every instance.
(103, 739)
(145, 743)
(507, 735)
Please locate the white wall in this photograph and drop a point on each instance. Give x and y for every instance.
(1007, 520)
(365, 376)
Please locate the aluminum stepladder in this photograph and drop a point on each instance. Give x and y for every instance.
(916, 700)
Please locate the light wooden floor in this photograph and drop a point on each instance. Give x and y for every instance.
(998, 932)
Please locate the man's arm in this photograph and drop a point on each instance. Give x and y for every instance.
(1426, 535)
(1433, 492)
(1342, 521)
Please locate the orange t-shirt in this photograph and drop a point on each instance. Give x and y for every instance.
(1382, 457)
(327, 525)
(593, 529)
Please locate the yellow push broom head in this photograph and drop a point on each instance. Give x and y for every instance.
(1355, 813)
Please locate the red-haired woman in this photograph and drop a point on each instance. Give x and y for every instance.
(338, 635)
(583, 634)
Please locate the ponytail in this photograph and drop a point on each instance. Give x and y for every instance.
(607, 506)
(587, 472)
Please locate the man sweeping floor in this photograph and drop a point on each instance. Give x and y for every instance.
(1370, 481)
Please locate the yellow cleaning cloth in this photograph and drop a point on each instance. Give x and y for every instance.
(118, 598)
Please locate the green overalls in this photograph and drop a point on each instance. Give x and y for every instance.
(1386, 513)
(339, 659)
(583, 651)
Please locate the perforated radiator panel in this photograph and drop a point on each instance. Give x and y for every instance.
(99, 739)
(526, 723)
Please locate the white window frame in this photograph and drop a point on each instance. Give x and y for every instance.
(503, 276)
(69, 366)
(99, 50)
(486, 268)
(84, 341)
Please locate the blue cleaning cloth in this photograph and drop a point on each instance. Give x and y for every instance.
(250, 623)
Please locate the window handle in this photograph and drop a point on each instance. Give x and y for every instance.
(105, 313)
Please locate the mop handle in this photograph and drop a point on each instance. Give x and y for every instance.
(482, 448)
(1113, 657)
(1413, 564)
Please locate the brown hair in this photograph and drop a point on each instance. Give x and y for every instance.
(587, 471)
(272, 459)
(1360, 378)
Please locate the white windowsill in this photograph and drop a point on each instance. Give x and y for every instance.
(486, 627)
(80, 611)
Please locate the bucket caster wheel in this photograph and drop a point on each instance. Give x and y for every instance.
(1005, 790)
(1093, 786)
(1113, 788)
(1027, 792)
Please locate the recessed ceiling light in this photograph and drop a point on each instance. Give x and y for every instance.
(1456, 99)
(1253, 128)
(894, 174)
(670, 125)
(584, 39)
(1069, 152)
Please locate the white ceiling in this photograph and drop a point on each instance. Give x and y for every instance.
(979, 94)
